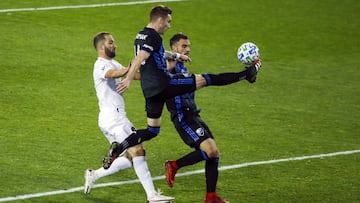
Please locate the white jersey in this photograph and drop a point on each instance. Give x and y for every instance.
(111, 104)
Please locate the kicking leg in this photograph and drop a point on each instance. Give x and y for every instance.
(91, 176)
(221, 79)
(134, 139)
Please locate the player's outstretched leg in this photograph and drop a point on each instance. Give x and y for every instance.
(134, 139)
(110, 156)
(171, 169)
(227, 78)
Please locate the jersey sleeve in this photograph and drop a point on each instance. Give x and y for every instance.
(151, 43)
(103, 69)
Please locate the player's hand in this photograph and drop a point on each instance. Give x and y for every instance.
(183, 58)
(170, 65)
(123, 86)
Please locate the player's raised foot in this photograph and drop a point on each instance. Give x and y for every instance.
(89, 180)
(171, 169)
(257, 64)
(158, 197)
(212, 197)
(110, 156)
(253, 70)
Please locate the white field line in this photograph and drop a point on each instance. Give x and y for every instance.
(86, 6)
(28, 196)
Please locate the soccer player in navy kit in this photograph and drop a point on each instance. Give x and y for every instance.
(192, 129)
(157, 83)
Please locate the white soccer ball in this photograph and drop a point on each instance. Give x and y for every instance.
(248, 53)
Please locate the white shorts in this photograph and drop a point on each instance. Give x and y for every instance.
(116, 129)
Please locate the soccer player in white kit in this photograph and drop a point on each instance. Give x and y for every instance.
(113, 121)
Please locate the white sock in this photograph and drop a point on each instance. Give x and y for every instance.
(143, 173)
(119, 163)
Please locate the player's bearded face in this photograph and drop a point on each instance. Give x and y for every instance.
(110, 46)
(110, 52)
(183, 47)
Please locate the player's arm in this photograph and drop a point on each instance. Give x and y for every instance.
(170, 65)
(137, 75)
(173, 56)
(133, 70)
(116, 73)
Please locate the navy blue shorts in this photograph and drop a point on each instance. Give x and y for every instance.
(178, 85)
(192, 129)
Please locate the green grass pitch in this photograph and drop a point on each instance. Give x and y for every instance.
(306, 100)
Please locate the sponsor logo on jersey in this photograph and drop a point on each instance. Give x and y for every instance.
(141, 36)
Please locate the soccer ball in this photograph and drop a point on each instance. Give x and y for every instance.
(248, 53)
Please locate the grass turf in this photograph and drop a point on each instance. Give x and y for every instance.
(306, 99)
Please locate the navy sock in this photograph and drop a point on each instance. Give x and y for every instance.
(191, 158)
(137, 138)
(224, 78)
(211, 174)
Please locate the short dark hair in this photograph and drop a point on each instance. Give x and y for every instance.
(159, 11)
(100, 37)
(177, 37)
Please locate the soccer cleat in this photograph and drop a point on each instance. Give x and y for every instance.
(171, 169)
(89, 180)
(110, 156)
(257, 64)
(213, 198)
(157, 197)
(252, 71)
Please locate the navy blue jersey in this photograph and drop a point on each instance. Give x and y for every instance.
(180, 105)
(154, 75)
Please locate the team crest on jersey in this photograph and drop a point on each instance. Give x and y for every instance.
(200, 132)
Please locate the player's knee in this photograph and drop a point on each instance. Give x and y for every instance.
(210, 148)
(213, 153)
(128, 155)
(137, 150)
